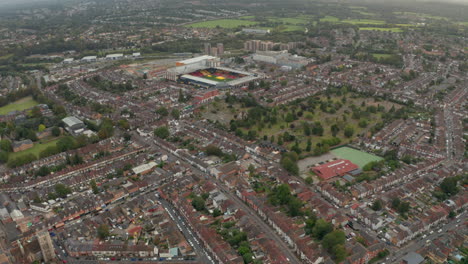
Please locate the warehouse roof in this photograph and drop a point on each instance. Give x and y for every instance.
(71, 121)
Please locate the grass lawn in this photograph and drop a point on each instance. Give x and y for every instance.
(363, 21)
(224, 23)
(329, 19)
(413, 14)
(396, 30)
(380, 55)
(36, 150)
(357, 157)
(21, 104)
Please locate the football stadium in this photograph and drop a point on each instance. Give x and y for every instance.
(205, 72)
(217, 77)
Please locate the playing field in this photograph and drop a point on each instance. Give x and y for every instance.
(21, 104)
(223, 23)
(357, 157)
(35, 150)
(217, 78)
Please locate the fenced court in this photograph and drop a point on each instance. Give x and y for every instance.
(357, 157)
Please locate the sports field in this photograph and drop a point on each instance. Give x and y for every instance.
(357, 157)
(20, 105)
(217, 78)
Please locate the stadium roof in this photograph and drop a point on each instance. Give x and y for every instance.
(242, 80)
(198, 79)
(197, 59)
(334, 168)
(233, 70)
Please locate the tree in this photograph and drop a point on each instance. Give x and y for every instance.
(294, 207)
(321, 229)
(66, 143)
(339, 253)
(332, 239)
(5, 145)
(198, 203)
(103, 231)
(162, 111)
(123, 123)
(309, 145)
(449, 186)
(106, 129)
(162, 132)
(36, 112)
(56, 131)
(377, 205)
(309, 180)
(41, 128)
(349, 131)
(452, 214)
(181, 98)
(94, 186)
(396, 202)
(290, 165)
(175, 113)
(43, 171)
(212, 150)
(334, 129)
(3, 156)
(62, 190)
(217, 212)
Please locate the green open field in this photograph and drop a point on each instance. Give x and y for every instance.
(224, 23)
(380, 55)
(364, 21)
(395, 30)
(36, 150)
(329, 19)
(420, 15)
(357, 157)
(19, 105)
(364, 13)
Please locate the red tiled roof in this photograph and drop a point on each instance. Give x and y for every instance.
(335, 168)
